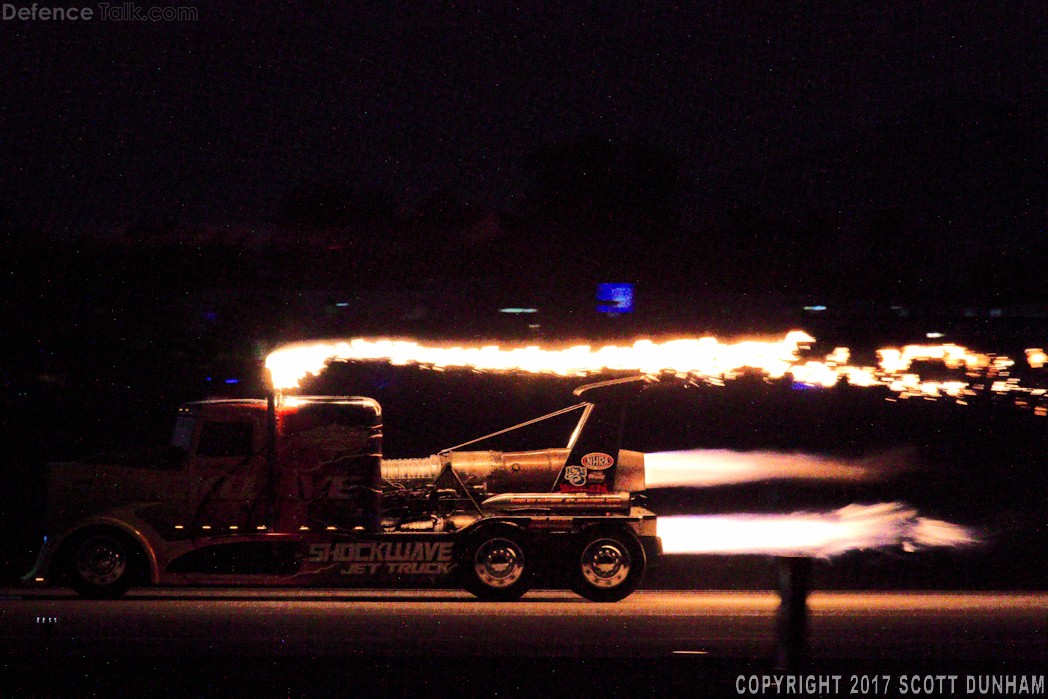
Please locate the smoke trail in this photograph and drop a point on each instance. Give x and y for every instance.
(813, 534)
(713, 467)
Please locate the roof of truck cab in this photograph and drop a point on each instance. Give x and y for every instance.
(246, 402)
(261, 403)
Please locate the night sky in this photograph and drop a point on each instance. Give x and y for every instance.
(860, 134)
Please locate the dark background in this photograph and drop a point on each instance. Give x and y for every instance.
(179, 198)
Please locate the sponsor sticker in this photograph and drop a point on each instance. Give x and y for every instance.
(590, 488)
(597, 461)
(576, 475)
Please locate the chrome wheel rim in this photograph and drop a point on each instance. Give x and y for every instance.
(605, 563)
(499, 563)
(101, 560)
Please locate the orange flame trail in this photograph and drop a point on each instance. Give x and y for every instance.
(703, 359)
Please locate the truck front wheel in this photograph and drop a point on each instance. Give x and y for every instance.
(609, 565)
(496, 564)
(102, 564)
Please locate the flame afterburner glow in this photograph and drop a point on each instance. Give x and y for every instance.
(713, 467)
(813, 534)
(705, 359)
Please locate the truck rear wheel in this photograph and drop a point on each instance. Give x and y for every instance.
(496, 564)
(102, 564)
(609, 565)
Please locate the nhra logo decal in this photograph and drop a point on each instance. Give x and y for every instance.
(597, 461)
(375, 558)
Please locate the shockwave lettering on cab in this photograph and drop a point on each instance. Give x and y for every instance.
(295, 486)
(386, 558)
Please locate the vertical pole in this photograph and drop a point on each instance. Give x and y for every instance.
(794, 578)
(271, 459)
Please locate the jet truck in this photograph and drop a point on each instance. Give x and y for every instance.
(293, 491)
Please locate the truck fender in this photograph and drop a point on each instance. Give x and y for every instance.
(120, 525)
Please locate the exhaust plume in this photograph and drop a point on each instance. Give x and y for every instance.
(704, 468)
(812, 534)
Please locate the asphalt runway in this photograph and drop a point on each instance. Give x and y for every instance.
(272, 638)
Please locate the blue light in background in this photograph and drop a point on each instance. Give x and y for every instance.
(615, 298)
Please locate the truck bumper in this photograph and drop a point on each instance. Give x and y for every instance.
(39, 576)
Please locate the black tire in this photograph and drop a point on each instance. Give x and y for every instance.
(103, 564)
(608, 565)
(497, 564)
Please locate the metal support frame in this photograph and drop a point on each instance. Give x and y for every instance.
(791, 623)
(448, 473)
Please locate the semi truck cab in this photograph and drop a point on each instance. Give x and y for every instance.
(294, 491)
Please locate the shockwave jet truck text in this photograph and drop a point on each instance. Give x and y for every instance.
(294, 491)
